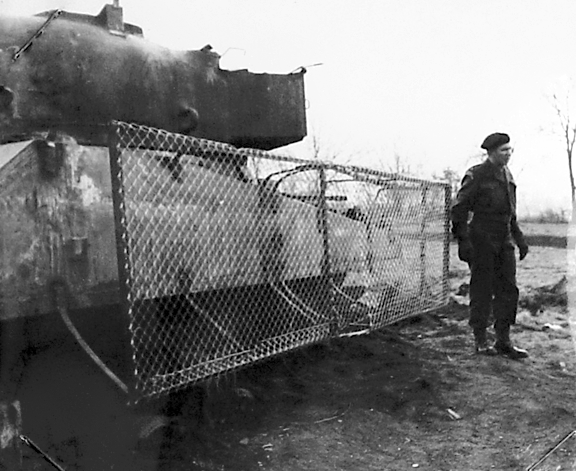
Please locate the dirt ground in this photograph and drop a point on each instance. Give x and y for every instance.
(411, 396)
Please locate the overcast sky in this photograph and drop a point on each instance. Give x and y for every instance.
(424, 79)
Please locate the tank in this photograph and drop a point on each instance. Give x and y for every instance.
(149, 243)
(64, 79)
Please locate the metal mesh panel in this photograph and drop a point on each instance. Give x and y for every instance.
(228, 256)
(394, 265)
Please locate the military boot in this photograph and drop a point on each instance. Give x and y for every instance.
(481, 343)
(503, 345)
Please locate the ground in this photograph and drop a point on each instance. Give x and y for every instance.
(413, 395)
(410, 396)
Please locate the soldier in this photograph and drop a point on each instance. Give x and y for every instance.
(488, 192)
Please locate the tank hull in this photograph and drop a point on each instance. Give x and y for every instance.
(59, 225)
(57, 218)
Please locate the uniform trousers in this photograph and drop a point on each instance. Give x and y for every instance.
(493, 289)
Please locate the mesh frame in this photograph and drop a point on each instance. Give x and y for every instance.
(229, 256)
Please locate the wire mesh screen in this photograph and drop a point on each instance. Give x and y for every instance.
(228, 256)
(395, 264)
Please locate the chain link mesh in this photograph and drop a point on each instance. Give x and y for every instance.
(228, 256)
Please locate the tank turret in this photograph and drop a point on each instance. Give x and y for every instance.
(75, 73)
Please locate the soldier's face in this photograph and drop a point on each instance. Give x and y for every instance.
(501, 155)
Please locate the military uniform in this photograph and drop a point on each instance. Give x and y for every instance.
(488, 192)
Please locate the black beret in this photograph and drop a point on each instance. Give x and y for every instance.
(495, 140)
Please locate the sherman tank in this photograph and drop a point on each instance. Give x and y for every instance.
(83, 251)
(63, 78)
(149, 240)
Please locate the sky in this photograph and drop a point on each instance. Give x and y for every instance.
(424, 80)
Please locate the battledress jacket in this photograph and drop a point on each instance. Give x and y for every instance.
(489, 193)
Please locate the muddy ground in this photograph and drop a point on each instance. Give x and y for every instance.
(411, 396)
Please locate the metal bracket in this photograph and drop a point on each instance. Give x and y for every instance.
(55, 14)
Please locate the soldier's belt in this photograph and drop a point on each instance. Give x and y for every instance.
(491, 218)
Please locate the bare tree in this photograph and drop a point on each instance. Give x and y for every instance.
(451, 177)
(561, 103)
(400, 166)
(321, 150)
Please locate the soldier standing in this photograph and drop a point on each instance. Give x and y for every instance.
(488, 192)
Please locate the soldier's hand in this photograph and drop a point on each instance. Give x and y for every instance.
(523, 251)
(465, 250)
